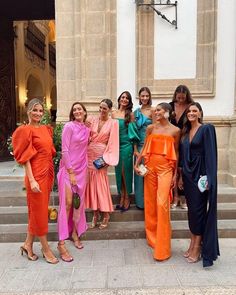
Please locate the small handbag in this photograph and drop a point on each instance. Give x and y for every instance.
(76, 200)
(143, 171)
(99, 163)
(202, 183)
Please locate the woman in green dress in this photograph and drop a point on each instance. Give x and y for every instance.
(127, 135)
(143, 117)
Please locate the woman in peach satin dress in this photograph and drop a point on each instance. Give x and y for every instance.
(160, 153)
(33, 148)
(104, 142)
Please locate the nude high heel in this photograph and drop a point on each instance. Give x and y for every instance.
(32, 257)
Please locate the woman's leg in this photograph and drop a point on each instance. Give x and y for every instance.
(150, 208)
(47, 252)
(106, 217)
(69, 201)
(27, 248)
(95, 219)
(176, 198)
(186, 253)
(163, 233)
(194, 253)
(126, 200)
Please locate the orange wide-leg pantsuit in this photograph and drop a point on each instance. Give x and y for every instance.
(160, 159)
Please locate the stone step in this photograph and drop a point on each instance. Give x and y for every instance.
(18, 215)
(15, 196)
(116, 230)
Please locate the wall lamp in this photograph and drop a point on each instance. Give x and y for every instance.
(153, 3)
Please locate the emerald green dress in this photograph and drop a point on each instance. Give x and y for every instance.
(127, 135)
(142, 122)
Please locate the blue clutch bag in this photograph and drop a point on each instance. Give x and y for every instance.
(99, 163)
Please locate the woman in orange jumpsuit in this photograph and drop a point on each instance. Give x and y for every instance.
(160, 153)
(33, 148)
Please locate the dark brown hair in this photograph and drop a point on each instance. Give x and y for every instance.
(187, 124)
(129, 107)
(167, 108)
(183, 89)
(108, 102)
(148, 91)
(71, 116)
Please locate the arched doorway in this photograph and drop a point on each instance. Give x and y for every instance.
(11, 10)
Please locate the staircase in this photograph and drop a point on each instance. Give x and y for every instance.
(127, 225)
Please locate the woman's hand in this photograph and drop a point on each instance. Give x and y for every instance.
(35, 186)
(173, 181)
(180, 183)
(136, 154)
(87, 124)
(72, 178)
(136, 169)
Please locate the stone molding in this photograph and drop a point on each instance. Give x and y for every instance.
(204, 83)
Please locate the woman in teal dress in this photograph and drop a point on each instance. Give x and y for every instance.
(127, 136)
(143, 118)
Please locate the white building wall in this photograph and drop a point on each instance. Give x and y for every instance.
(223, 102)
(126, 54)
(175, 49)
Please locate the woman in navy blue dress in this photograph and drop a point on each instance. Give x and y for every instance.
(198, 157)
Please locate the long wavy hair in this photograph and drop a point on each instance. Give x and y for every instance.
(183, 89)
(71, 116)
(187, 125)
(129, 107)
(149, 92)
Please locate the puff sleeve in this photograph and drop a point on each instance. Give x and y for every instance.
(133, 132)
(50, 131)
(23, 148)
(111, 153)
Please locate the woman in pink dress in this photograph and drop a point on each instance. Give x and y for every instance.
(104, 142)
(72, 177)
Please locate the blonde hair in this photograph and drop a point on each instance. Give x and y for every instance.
(32, 103)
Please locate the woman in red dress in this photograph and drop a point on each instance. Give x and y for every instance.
(33, 148)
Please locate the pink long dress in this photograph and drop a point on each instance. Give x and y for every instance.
(105, 144)
(75, 138)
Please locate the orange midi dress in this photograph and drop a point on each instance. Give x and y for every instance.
(160, 159)
(35, 145)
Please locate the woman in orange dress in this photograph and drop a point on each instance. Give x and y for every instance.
(160, 153)
(33, 148)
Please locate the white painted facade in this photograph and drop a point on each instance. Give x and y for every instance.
(171, 54)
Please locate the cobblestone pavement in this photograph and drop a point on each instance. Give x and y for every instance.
(117, 267)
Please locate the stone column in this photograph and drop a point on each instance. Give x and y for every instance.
(232, 139)
(86, 53)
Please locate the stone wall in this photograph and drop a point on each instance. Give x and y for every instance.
(86, 53)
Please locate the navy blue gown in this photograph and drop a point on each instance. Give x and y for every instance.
(200, 158)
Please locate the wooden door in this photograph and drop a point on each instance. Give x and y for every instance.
(7, 86)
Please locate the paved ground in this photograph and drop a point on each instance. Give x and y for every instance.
(117, 267)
